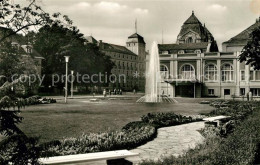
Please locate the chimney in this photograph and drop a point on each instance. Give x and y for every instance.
(100, 44)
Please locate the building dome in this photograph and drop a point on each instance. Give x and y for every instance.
(192, 30)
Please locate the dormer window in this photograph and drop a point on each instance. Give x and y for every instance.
(181, 52)
(189, 40)
(197, 51)
(165, 52)
(29, 49)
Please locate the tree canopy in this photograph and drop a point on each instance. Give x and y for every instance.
(251, 51)
(54, 42)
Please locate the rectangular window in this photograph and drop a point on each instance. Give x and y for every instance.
(242, 75)
(242, 91)
(211, 91)
(251, 75)
(255, 91)
(226, 91)
(257, 75)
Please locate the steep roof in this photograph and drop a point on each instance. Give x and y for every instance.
(34, 53)
(136, 38)
(243, 37)
(91, 39)
(115, 48)
(193, 24)
(192, 19)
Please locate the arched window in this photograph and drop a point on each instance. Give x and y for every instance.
(227, 72)
(187, 72)
(164, 71)
(211, 72)
(181, 52)
(197, 51)
(189, 40)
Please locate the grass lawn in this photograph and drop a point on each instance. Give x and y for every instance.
(55, 121)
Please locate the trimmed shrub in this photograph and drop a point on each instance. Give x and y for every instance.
(167, 119)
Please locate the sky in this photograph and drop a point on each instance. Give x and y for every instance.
(113, 21)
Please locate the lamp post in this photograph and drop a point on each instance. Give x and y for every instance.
(66, 81)
(72, 79)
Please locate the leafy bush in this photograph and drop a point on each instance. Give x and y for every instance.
(236, 109)
(126, 139)
(167, 119)
(242, 146)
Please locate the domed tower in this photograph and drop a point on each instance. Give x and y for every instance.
(192, 31)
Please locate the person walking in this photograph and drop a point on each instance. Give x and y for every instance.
(104, 93)
(250, 96)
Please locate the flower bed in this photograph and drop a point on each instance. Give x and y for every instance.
(131, 136)
(125, 139)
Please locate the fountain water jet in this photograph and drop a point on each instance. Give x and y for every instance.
(153, 80)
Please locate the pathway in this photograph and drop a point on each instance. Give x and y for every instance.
(171, 141)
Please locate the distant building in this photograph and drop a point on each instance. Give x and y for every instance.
(193, 67)
(30, 57)
(239, 41)
(129, 61)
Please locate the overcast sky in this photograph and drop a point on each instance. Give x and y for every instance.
(113, 21)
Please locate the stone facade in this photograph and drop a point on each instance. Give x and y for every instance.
(129, 62)
(193, 67)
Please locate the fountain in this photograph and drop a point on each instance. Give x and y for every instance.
(153, 79)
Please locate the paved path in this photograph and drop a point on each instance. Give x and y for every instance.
(170, 141)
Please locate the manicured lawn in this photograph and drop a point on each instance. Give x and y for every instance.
(55, 121)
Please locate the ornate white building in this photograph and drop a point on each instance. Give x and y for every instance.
(193, 66)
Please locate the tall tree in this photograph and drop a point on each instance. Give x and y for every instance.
(17, 148)
(251, 51)
(16, 18)
(54, 42)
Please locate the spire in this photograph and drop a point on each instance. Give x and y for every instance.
(135, 25)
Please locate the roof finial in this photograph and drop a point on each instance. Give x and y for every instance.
(192, 12)
(135, 25)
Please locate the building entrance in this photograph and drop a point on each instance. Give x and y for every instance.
(184, 91)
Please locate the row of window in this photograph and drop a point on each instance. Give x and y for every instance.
(182, 51)
(127, 65)
(187, 71)
(123, 56)
(254, 91)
